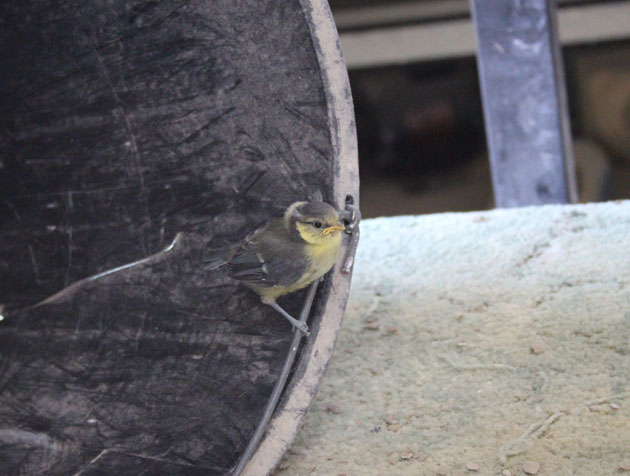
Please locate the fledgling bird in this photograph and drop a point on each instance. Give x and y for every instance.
(287, 254)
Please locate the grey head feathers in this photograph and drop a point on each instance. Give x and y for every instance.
(311, 211)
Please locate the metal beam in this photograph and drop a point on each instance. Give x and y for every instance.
(524, 102)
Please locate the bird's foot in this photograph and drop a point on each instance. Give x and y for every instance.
(302, 327)
(299, 325)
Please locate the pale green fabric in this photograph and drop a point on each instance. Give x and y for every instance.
(484, 339)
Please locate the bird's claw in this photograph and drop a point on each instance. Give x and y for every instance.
(351, 216)
(303, 328)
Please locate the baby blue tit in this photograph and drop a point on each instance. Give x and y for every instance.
(287, 254)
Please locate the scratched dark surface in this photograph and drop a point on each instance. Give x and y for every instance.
(123, 123)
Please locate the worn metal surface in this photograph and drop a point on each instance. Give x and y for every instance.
(524, 99)
(123, 126)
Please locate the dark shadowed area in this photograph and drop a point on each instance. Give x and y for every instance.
(122, 125)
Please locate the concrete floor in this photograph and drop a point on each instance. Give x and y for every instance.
(489, 343)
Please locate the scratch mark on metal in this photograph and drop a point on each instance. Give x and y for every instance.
(102, 453)
(73, 287)
(135, 263)
(195, 134)
(307, 117)
(133, 145)
(69, 232)
(140, 330)
(34, 263)
(251, 183)
(12, 208)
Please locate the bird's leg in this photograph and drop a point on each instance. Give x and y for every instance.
(301, 326)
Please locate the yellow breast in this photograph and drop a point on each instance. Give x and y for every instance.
(321, 250)
(321, 257)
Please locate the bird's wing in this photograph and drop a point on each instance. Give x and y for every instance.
(266, 260)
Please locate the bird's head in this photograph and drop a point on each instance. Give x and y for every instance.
(315, 222)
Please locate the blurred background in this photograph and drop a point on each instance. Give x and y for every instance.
(413, 73)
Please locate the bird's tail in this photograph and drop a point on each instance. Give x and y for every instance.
(215, 259)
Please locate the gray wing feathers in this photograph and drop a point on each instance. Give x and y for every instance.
(265, 260)
(249, 267)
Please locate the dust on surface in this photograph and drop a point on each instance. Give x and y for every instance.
(490, 343)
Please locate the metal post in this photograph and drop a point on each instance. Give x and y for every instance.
(524, 102)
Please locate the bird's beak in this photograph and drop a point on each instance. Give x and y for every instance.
(333, 228)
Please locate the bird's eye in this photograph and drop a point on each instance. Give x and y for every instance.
(317, 224)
